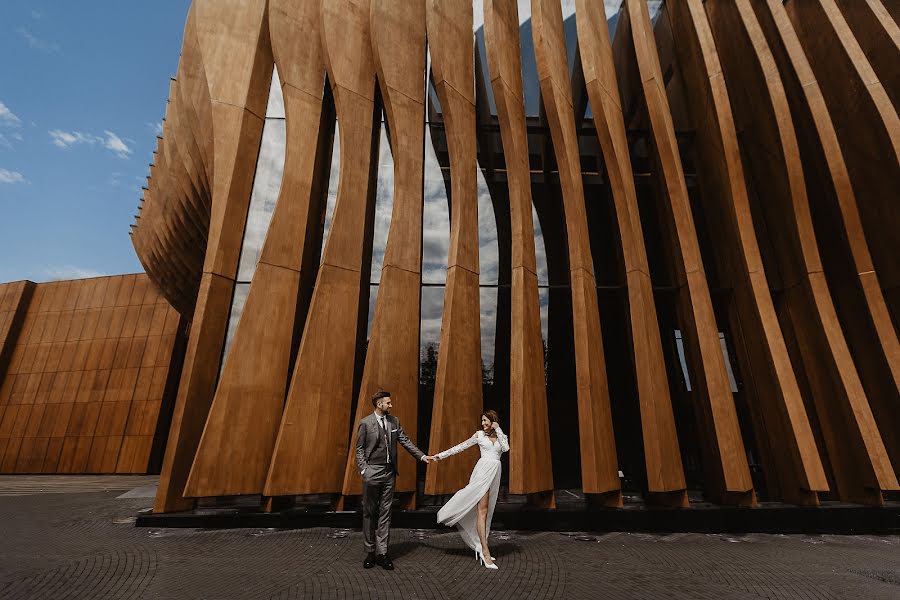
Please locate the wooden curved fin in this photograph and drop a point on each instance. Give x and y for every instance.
(233, 43)
(250, 396)
(599, 466)
(726, 207)
(835, 208)
(392, 356)
(531, 468)
(457, 389)
(310, 457)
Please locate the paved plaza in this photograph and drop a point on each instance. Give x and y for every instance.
(75, 538)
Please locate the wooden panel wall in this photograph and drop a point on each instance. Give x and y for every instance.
(791, 129)
(87, 375)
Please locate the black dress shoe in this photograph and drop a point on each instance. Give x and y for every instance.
(385, 562)
(370, 561)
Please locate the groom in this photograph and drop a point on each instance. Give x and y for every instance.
(376, 457)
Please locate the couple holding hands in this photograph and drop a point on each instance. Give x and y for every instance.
(470, 509)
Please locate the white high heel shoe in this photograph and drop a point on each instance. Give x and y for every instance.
(480, 558)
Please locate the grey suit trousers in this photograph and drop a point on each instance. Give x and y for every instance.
(378, 495)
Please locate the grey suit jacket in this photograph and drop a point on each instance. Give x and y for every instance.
(367, 436)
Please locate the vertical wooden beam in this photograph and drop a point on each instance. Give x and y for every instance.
(726, 204)
(457, 389)
(773, 159)
(867, 125)
(531, 468)
(836, 208)
(724, 458)
(599, 463)
(311, 449)
(233, 41)
(723, 452)
(879, 37)
(392, 357)
(250, 397)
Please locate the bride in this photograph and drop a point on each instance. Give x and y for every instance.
(472, 507)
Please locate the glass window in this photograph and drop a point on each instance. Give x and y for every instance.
(384, 205)
(430, 332)
(731, 380)
(682, 359)
(436, 218)
(241, 291)
(275, 109)
(266, 187)
(333, 180)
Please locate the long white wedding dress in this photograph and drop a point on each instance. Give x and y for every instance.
(462, 509)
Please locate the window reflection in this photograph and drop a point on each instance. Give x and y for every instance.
(333, 180)
(384, 205)
(430, 332)
(241, 291)
(266, 187)
(436, 218)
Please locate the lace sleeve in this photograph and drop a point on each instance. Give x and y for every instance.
(504, 441)
(458, 448)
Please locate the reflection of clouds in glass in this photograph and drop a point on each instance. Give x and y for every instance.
(488, 245)
(373, 297)
(540, 251)
(266, 187)
(241, 291)
(275, 109)
(544, 303)
(488, 325)
(432, 307)
(384, 205)
(436, 219)
(333, 180)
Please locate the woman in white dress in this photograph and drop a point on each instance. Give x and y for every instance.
(472, 508)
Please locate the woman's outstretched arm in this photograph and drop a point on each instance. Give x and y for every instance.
(458, 448)
(501, 437)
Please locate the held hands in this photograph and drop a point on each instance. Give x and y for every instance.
(429, 459)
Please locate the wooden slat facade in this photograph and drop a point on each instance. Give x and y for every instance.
(88, 372)
(716, 279)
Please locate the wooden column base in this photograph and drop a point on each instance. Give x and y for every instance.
(544, 500)
(270, 504)
(676, 499)
(611, 499)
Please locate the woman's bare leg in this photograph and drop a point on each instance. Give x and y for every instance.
(481, 526)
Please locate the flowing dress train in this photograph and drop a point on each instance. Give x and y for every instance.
(462, 508)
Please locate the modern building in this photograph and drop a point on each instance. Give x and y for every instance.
(659, 238)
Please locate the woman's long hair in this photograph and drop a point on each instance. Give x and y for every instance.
(491, 415)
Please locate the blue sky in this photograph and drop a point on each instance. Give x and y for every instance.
(83, 87)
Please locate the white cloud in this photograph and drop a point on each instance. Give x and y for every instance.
(11, 176)
(156, 128)
(110, 141)
(70, 272)
(7, 118)
(66, 139)
(35, 42)
(115, 143)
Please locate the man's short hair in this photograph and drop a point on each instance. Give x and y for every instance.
(379, 395)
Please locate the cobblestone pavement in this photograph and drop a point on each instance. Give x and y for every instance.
(85, 545)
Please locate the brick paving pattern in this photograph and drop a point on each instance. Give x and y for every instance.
(84, 545)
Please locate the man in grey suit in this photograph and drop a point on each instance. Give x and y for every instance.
(376, 457)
